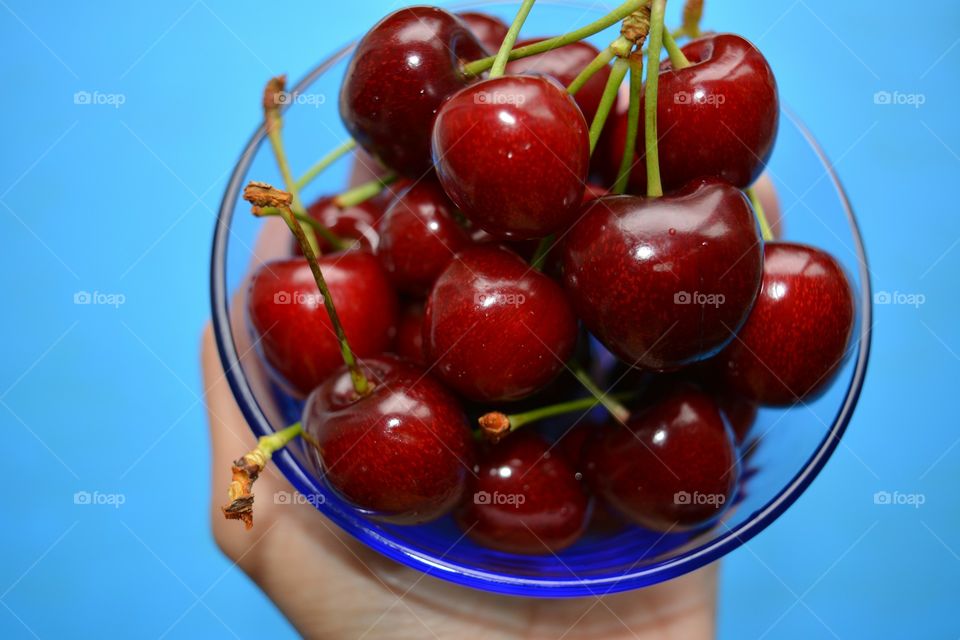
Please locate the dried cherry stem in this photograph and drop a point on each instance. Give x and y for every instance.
(610, 403)
(654, 186)
(247, 469)
(495, 426)
(323, 163)
(503, 55)
(479, 66)
(765, 230)
(363, 192)
(633, 124)
(262, 195)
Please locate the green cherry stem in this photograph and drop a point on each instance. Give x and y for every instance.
(494, 426)
(262, 195)
(617, 75)
(765, 230)
(610, 403)
(363, 192)
(677, 59)
(338, 243)
(601, 61)
(479, 66)
(654, 186)
(503, 56)
(321, 165)
(633, 124)
(542, 251)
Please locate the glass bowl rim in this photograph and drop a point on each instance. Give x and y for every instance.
(524, 585)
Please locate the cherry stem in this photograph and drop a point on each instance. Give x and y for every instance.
(677, 58)
(606, 101)
(633, 125)
(363, 192)
(338, 243)
(247, 469)
(273, 121)
(765, 231)
(542, 251)
(617, 410)
(692, 13)
(601, 61)
(321, 165)
(654, 186)
(479, 66)
(262, 195)
(503, 55)
(495, 425)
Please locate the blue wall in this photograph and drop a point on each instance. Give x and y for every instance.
(119, 199)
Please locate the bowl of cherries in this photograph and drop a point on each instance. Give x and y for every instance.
(560, 315)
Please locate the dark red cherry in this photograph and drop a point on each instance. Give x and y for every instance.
(403, 452)
(489, 30)
(419, 235)
(525, 499)
(565, 64)
(716, 118)
(672, 467)
(291, 324)
(495, 328)
(513, 154)
(400, 73)
(349, 223)
(663, 282)
(798, 333)
(409, 342)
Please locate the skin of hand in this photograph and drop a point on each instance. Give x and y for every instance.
(329, 585)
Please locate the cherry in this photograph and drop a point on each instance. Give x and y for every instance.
(513, 153)
(495, 328)
(797, 335)
(489, 30)
(565, 64)
(400, 73)
(402, 452)
(409, 342)
(525, 499)
(576, 445)
(672, 467)
(717, 117)
(293, 329)
(667, 281)
(349, 223)
(419, 236)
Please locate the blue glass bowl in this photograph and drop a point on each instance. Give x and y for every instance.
(792, 446)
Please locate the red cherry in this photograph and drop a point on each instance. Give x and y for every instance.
(293, 329)
(667, 281)
(513, 154)
(403, 452)
(419, 235)
(565, 64)
(400, 73)
(797, 335)
(497, 329)
(489, 30)
(409, 342)
(716, 118)
(673, 467)
(349, 223)
(525, 499)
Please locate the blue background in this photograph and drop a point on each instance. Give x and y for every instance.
(121, 201)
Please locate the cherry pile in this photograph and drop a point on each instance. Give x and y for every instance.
(531, 210)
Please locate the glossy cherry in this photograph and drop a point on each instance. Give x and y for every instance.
(409, 342)
(348, 223)
(798, 333)
(403, 452)
(565, 64)
(525, 498)
(489, 30)
(292, 328)
(663, 282)
(716, 118)
(672, 467)
(495, 328)
(419, 235)
(400, 73)
(513, 153)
